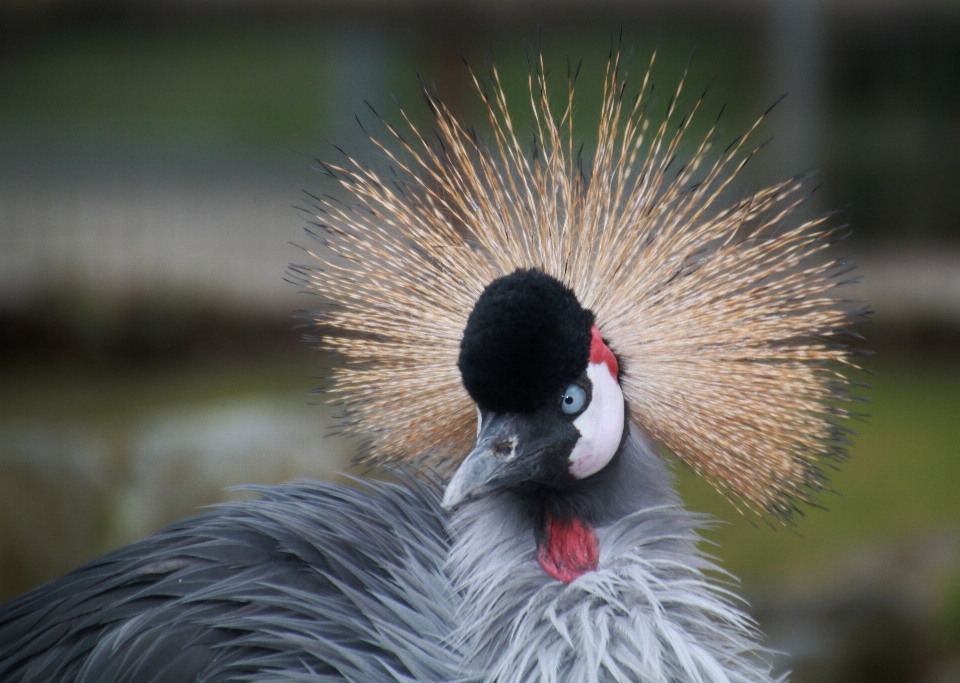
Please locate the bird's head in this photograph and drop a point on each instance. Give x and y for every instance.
(726, 315)
(550, 409)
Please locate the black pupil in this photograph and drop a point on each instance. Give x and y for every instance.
(568, 399)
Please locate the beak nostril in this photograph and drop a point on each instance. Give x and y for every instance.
(505, 449)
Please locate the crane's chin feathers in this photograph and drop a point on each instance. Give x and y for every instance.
(724, 315)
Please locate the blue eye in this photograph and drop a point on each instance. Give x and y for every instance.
(574, 399)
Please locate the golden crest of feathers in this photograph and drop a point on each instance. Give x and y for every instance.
(722, 315)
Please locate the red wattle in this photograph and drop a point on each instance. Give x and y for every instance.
(601, 353)
(570, 550)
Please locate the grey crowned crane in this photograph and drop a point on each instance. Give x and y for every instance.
(539, 330)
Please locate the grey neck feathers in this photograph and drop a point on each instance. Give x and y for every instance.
(649, 612)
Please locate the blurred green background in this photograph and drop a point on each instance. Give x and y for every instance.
(152, 155)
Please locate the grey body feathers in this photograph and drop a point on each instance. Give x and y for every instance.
(319, 582)
(315, 582)
(649, 613)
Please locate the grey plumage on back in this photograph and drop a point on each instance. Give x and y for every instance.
(314, 582)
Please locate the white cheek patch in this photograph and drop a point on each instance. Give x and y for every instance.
(600, 425)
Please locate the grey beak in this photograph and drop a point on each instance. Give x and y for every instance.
(493, 463)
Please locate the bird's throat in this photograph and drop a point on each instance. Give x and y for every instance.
(569, 548)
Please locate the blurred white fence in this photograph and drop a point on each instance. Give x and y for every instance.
(220, 226)
(913, 283)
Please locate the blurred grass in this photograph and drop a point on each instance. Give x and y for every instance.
(113, 398)
(252, 85)
(233, 84)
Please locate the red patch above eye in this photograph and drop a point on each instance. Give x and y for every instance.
(570, 550)
(601, 353)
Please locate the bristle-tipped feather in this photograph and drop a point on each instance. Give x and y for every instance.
(723, 316)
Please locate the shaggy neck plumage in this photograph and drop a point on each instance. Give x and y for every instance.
(637, 478)
(496, 538)
(517, 623)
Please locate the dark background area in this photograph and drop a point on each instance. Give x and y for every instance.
(152, 155)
